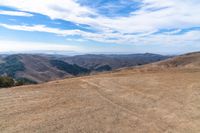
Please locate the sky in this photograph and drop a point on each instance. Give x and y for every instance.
(100, 26)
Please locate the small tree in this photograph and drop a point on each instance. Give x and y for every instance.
(6, 82)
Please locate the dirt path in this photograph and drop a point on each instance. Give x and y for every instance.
(109, 100)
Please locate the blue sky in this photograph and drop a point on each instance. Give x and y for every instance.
(100, 26)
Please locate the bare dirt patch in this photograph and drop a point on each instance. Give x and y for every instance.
(128, 101)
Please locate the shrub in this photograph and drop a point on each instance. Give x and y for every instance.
(6, 82)
(24, 81)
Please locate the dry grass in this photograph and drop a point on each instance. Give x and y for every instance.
(129, 101)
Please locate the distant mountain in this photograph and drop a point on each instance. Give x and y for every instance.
(1, 59)
(11, 65)
(69, 68)
(93, 62)
(41, 68)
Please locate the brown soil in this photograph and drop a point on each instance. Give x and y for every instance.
(128, 101)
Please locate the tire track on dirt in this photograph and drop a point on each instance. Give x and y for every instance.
(103, 96)
(139, 117)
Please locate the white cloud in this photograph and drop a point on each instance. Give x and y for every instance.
(175, 14)
(15, 13)
(154, 15)
(188, 38)
(60, 32)
(172, 32)
(165, 38)
(42, 28)
(35, 46)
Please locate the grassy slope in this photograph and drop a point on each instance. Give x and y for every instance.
(136, 101)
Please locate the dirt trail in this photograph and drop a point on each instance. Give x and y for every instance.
(109, 100)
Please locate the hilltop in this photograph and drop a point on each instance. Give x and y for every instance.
(128, 100)
(190, 60)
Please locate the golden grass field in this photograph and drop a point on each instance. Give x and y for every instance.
(127, 101)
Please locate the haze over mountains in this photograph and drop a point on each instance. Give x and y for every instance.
(40, 67)
(161, 97)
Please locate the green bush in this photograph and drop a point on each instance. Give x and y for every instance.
(6, 82)
(24, 81)
(10, 82)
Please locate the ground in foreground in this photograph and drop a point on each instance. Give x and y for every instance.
(123, 102)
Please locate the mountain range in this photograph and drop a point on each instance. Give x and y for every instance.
(42, 67)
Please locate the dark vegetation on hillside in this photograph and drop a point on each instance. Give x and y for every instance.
(8, 70)
(6, 81)
(71, 69)
(11, 65)
(28, 68)
(103, 68)
(24, 81)
(114, 61)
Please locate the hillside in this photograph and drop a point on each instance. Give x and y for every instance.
(114, 61)
(42, 68)
(191, 60)
(1, 59)
(32, 67)
(126, 101)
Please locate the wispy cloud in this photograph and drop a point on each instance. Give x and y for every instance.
(15, 13)
(139, 26)
(43, 28)
(164, 38)
(35, 46)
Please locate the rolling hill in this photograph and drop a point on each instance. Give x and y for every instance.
(42, 68)
(91, 61)
(191, 60)
(133, 100)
